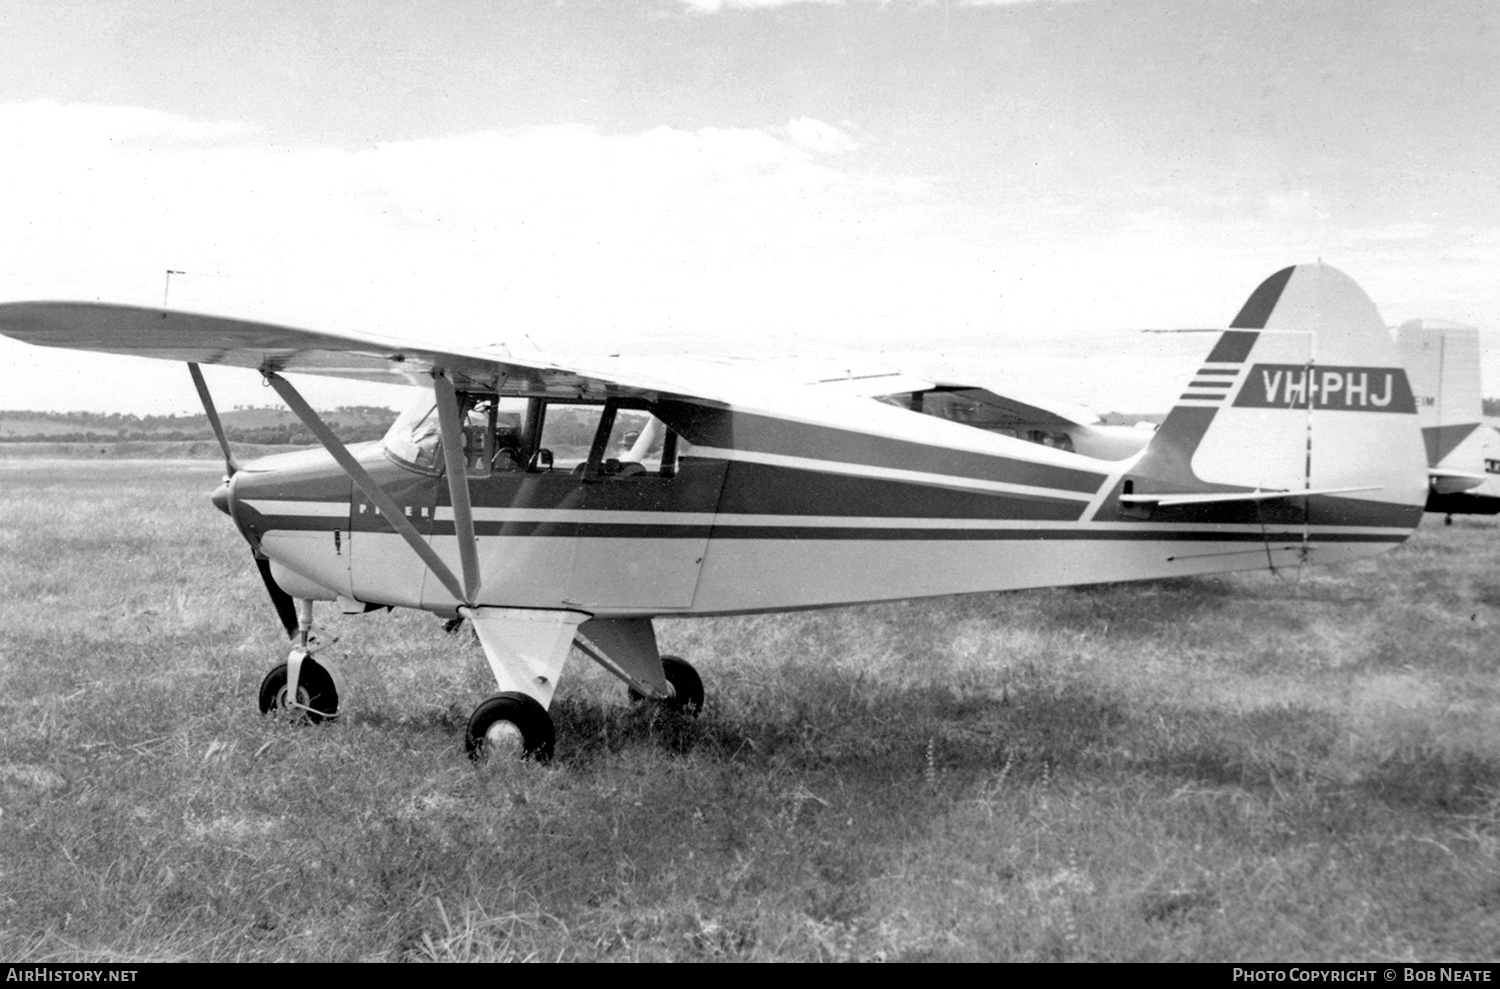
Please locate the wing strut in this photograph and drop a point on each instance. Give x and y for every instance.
(458, 481)
(230, 466)
(366, 484)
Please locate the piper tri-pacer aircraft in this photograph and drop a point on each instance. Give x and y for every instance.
(505, 494)
(1463, 454)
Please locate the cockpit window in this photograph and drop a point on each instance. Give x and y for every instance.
(492, 431)
(500, 435)
(413, 437)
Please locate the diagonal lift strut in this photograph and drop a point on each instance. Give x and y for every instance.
(367, 486)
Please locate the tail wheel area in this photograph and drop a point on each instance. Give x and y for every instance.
(317, 699)
(510, 724)
(687, 685)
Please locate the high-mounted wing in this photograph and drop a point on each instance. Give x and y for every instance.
(170, 334)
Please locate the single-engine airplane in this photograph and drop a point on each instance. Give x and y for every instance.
(506, 495)
(1463, 453)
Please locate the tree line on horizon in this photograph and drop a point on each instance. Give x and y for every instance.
(351, 423)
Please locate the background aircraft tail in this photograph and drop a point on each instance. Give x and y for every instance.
(1301, 415)
(1463, 454)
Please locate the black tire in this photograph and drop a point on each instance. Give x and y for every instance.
(522, 714)
(315, 690)
(686, 685)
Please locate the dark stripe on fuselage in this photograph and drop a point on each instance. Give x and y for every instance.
(263, 522)
(763, 489)
(757, 433)
(792, 531)
(694, 488)
(797, 493)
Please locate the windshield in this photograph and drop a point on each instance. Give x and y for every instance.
(413, 438)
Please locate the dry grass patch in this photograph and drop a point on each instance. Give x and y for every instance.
(1245, 767)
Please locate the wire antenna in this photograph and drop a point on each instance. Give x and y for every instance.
(167, 286)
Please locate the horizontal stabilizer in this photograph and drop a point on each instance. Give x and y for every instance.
(1167, 500)
(1453, 481)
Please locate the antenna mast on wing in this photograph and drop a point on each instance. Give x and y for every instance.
(167, 286)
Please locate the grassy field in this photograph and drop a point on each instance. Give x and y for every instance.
(1238, 768)
(138, 450)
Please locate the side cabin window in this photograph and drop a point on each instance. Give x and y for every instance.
(509, 435)
(608, 440)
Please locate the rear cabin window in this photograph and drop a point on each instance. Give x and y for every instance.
(616, 441)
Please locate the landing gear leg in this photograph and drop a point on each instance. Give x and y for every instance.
(300, 687)
(526, 649)
(686, 684)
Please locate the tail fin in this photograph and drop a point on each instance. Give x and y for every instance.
(1442, 360)
(1301, 415)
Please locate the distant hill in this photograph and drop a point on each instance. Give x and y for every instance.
(260, 426)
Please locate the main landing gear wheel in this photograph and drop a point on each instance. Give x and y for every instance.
(317, 698)
(513, 723)
(687, 686)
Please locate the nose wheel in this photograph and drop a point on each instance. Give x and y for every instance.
(317, 698)
(509, 725)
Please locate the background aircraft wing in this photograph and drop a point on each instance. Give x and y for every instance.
(173, 335)
(1030, 409)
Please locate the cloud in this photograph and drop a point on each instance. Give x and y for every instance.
(667, 240)
(819, 137)
(1396, 232)
(79, 124)
(717, 6)
(667, 237)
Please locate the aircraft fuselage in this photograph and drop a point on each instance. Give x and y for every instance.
(765, 513)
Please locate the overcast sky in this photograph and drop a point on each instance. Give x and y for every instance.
(1002, 188)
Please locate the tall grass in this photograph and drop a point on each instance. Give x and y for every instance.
(1248, 767)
